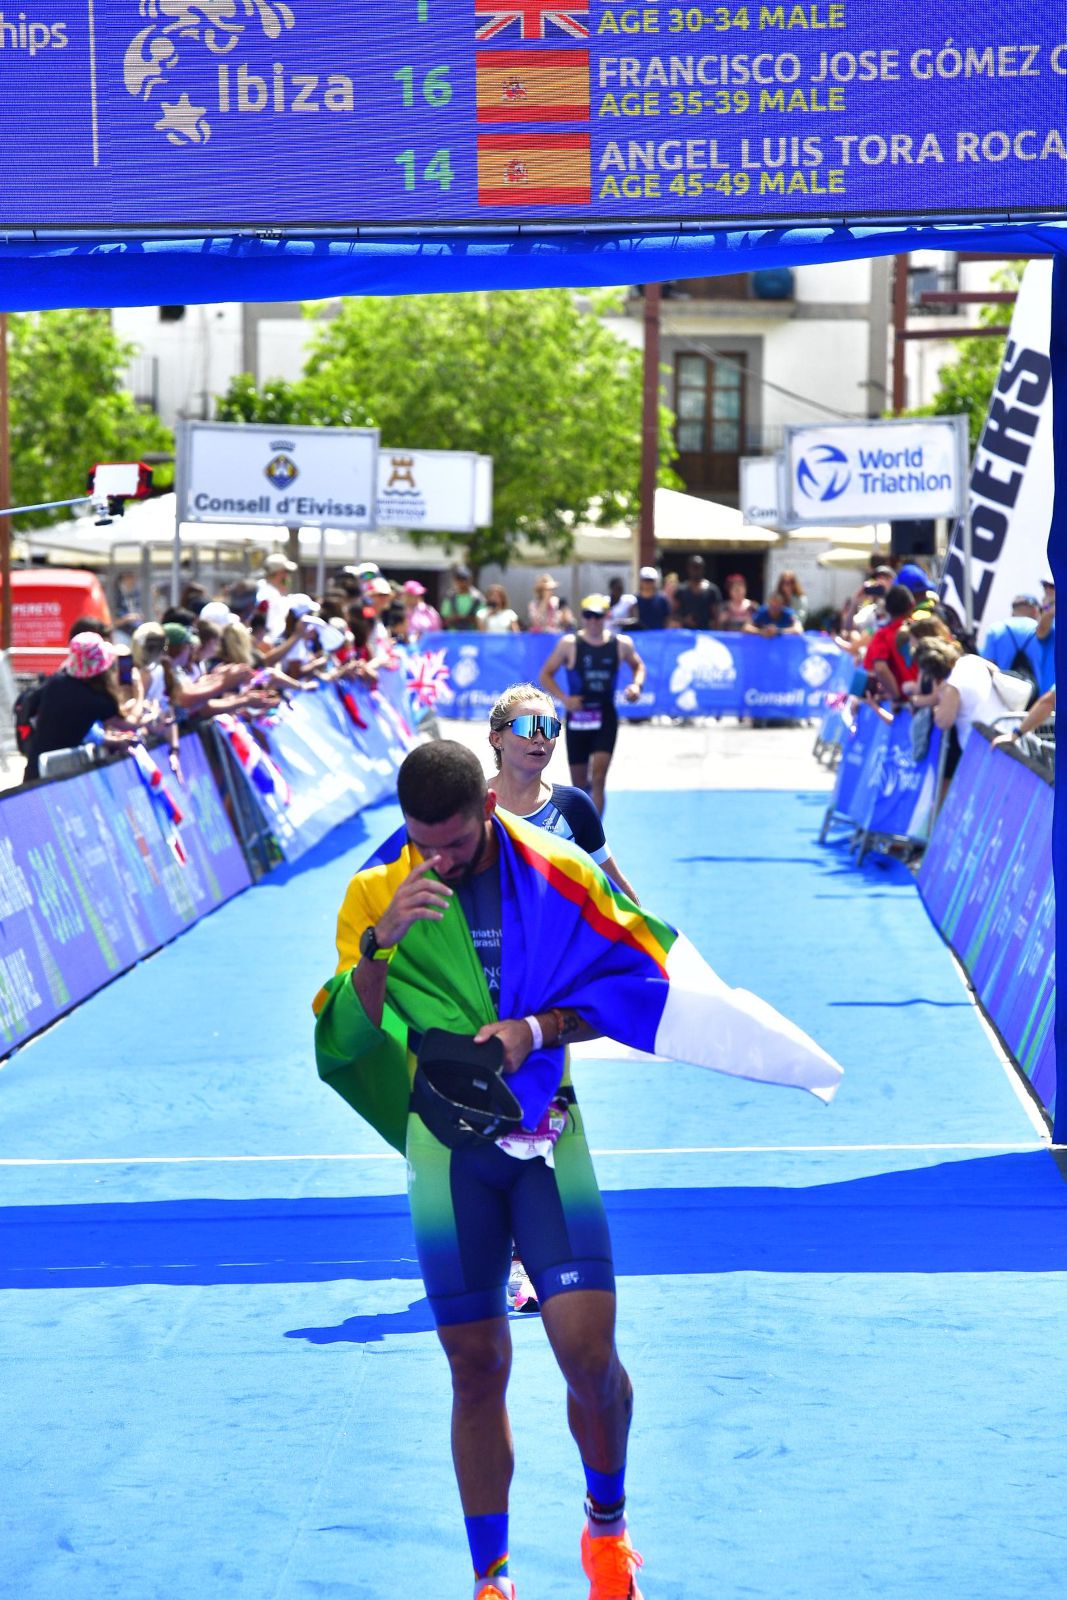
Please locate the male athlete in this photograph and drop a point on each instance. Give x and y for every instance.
(468, 1204)
(472, 921)
(592, 656)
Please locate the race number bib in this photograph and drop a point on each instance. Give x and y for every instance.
(588, 720)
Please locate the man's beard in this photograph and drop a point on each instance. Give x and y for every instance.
(456, 879)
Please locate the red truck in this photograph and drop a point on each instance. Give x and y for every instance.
(44, 603)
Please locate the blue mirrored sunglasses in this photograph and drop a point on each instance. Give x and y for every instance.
(527, 726)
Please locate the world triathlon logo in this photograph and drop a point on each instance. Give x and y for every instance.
(823, 472)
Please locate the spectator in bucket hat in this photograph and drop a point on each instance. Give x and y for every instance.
(73, 700)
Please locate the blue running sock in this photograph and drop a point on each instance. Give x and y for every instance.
(488, 1539)
(605, 1488)
(605, 1505)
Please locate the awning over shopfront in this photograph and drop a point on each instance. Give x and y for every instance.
(685, 519)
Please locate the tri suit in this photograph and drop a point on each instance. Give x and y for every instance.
(571, 814)
(594, 675)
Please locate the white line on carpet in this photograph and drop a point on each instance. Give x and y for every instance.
(666, 1150)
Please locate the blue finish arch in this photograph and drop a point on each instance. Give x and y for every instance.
(37, 274)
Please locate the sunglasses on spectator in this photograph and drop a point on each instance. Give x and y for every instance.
(526, 727)
(593, 615)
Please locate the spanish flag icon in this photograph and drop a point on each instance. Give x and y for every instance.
(534, 169)
(526, 86)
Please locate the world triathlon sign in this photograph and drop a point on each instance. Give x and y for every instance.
(854, 472)
(210, 115)
(277, 475)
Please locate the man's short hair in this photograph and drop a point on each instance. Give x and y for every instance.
(899, 602)
(440, 780)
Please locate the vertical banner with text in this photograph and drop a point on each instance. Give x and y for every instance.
(1009, 508)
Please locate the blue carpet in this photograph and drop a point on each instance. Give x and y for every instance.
(219, 1376)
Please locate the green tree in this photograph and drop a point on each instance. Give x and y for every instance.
(67, 409)
(966, 384)
(529, 378)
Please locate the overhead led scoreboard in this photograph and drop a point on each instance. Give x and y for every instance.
(212, 115)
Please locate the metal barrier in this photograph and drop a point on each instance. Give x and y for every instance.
(829, 741)
(883, 796)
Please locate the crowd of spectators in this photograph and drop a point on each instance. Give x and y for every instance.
(240, 652)
(243, 649)
(696, 603)
(913, 652)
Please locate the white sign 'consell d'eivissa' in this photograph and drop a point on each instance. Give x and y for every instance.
(281, 476)
(856, 472)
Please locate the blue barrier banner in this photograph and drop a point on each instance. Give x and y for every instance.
(986, 880)
(330, 775)
(338, 749)
(868, 779)
(903, 788)
(89, 883)
(688, 674)
(856, 748)
(833, 730)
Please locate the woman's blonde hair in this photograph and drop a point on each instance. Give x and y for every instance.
(147, 633)
(514, 695)
(937, 657)
(926, 627)
(237, 644)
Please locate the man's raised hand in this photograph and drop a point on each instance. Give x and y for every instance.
(418, 899)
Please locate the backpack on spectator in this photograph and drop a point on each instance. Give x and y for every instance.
(964, 636)
(25, 710)
(1022, 667)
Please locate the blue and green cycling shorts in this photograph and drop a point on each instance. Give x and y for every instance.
(469, 1206)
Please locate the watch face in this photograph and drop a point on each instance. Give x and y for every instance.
(367, 943)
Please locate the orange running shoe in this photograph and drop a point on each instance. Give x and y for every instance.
(610, 1563)
(495, 1593)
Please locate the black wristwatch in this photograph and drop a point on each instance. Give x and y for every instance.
(369, 946)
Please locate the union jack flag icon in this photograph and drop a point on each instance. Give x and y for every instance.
(535, 19)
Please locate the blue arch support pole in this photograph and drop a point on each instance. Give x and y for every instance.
(1057, 549)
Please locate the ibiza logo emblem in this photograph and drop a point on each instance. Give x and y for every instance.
(281, 469)
(465, 671)
(400, 471)
(815, 670)
(155, 53)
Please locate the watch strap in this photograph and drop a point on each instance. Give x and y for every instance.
(370, 949)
